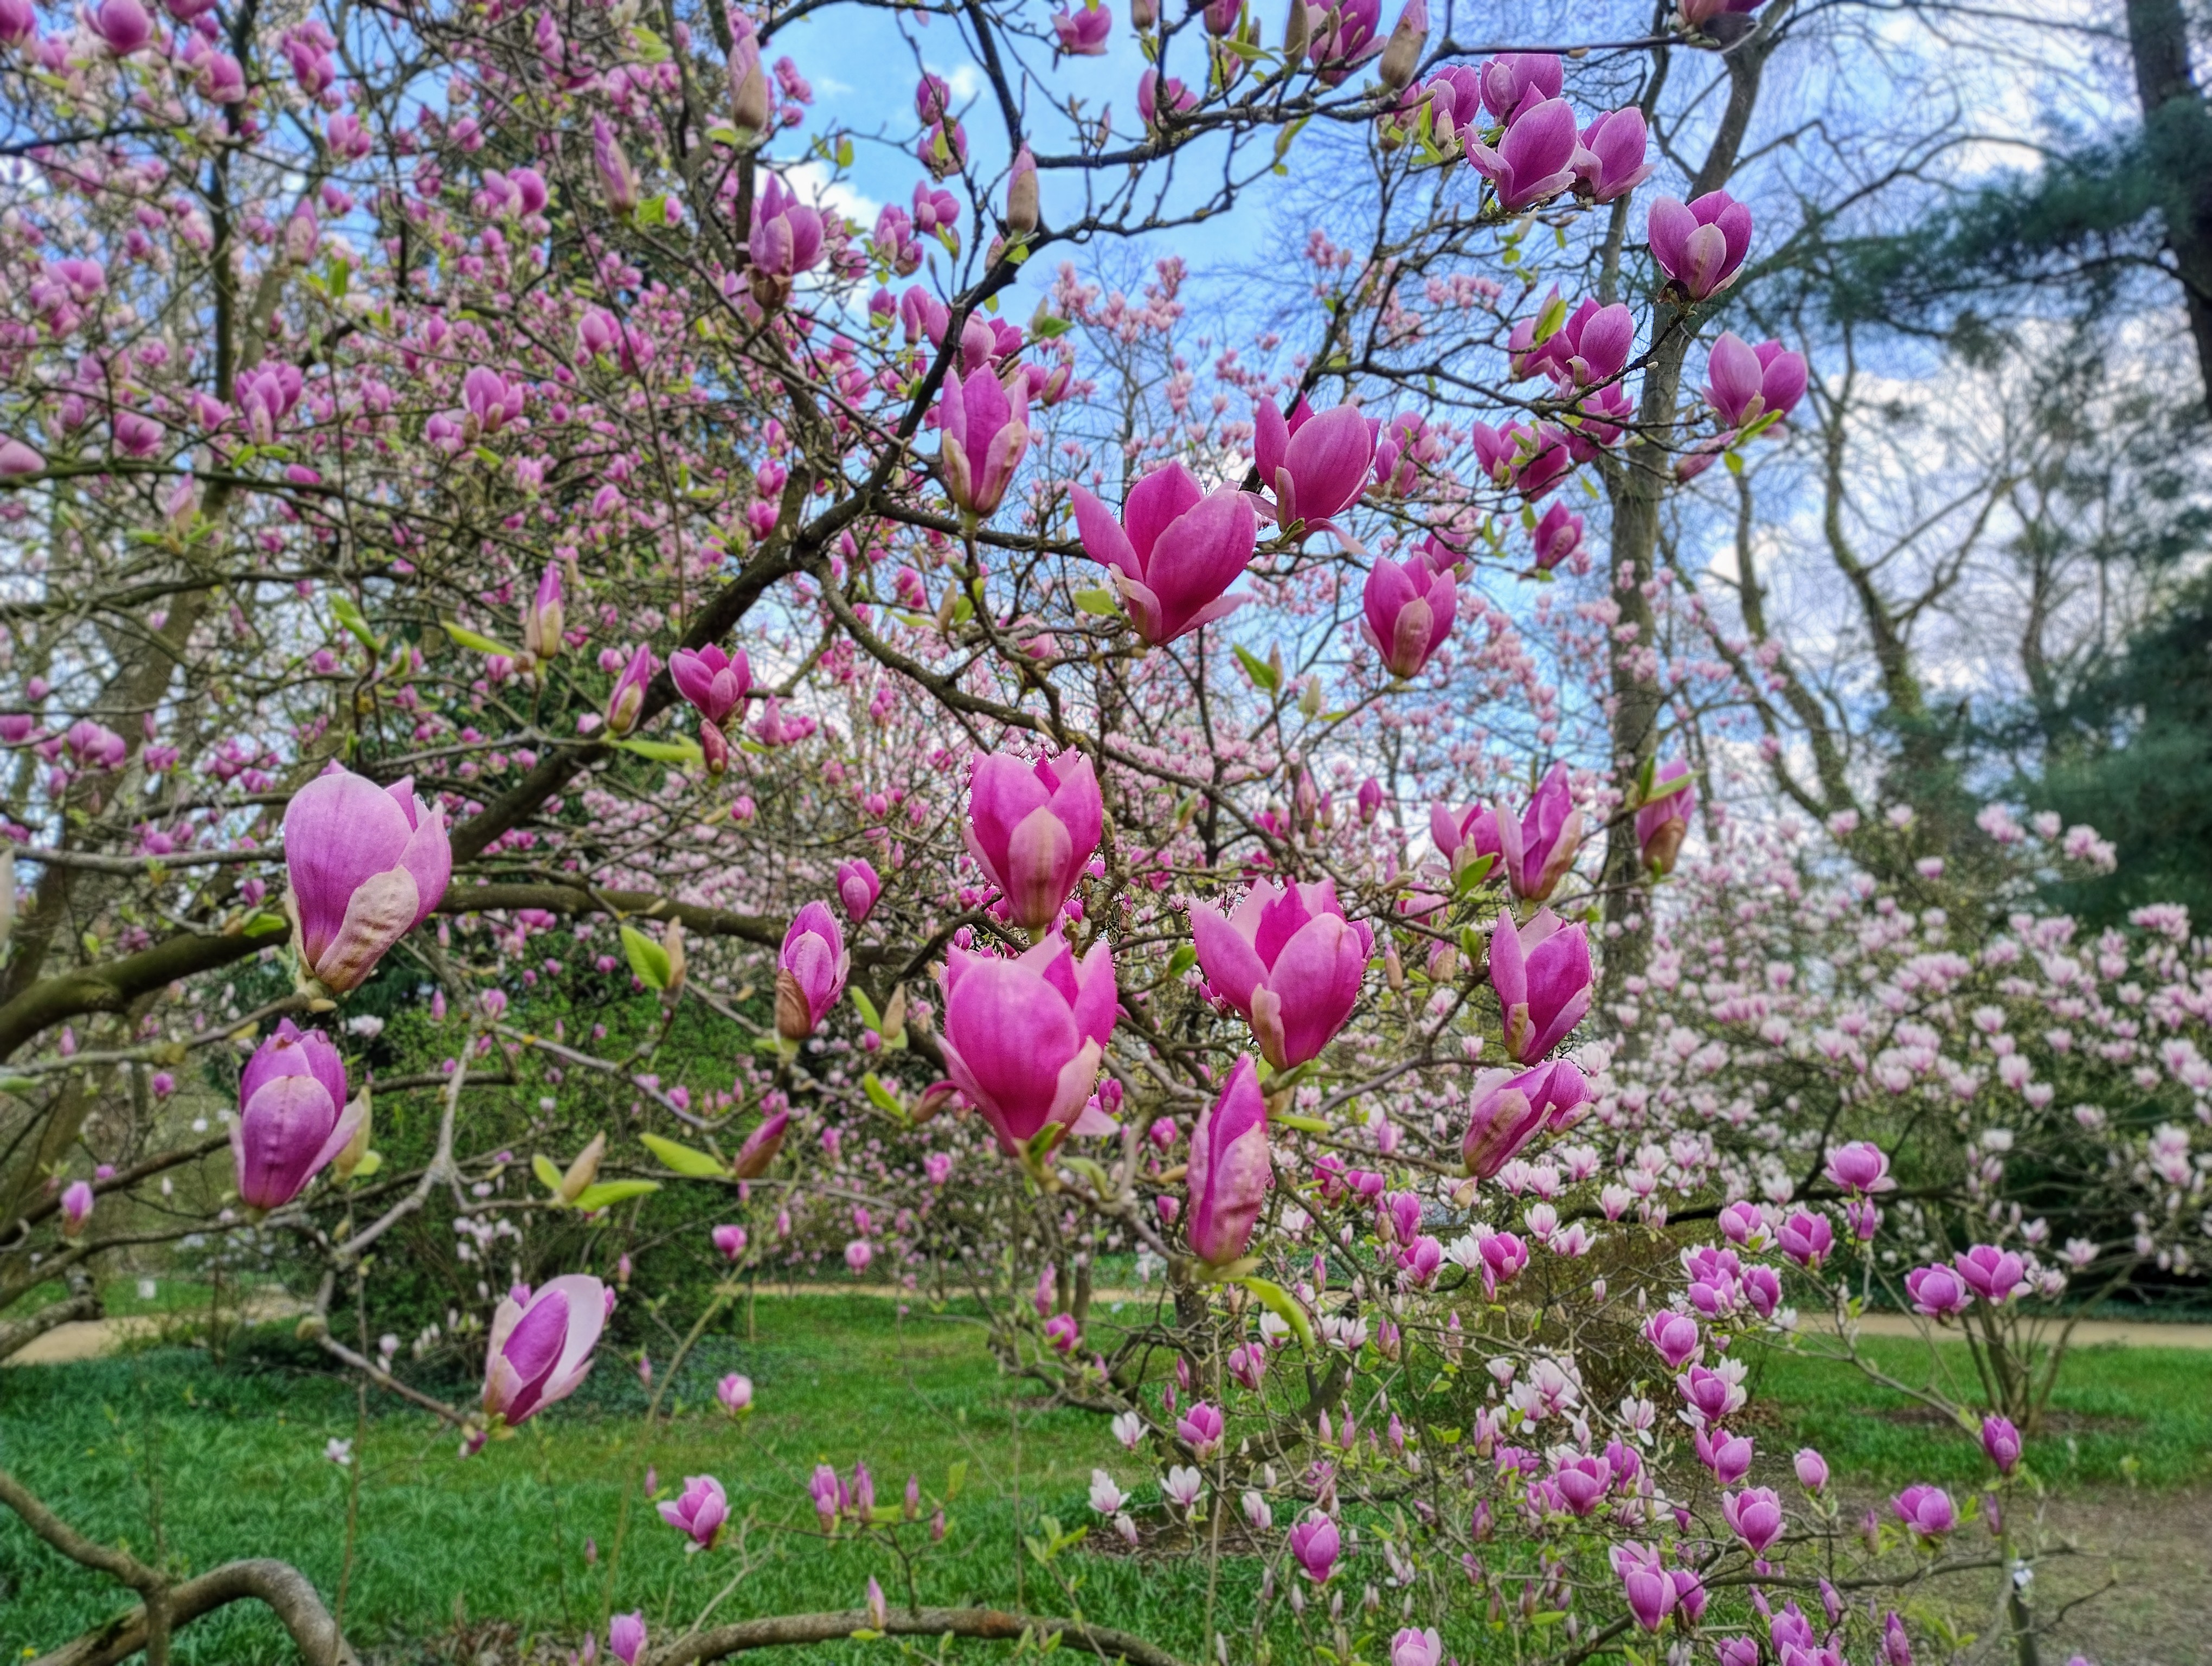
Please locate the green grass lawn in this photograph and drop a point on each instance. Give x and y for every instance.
(235, 1454)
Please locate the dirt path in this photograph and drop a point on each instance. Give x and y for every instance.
(88, 1339)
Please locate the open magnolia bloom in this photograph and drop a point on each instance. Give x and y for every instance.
(541, 1345)
(1024, 1036)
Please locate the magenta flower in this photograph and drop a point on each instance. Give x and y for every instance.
(1023, 1037)
(123, 27)
(1860, 1167)
(1662, 823)
(294, 1117)
(541, 1345)
(1407, 611)
(626, 1637)
(1534, 162)
(810, 972)
(858, 887)
(1510, 1110)
(735, 1391)
(1743, 382)
(1230, 1169)
(1465, 837)
(760, 1146)
(1083, 32)
(1996, 1275)
(1649, 1591)
(2001, 1440)
(1174, 552)
(1676, 1337)
(715, 683)
(1811, 1470)
(1937, 1291)
(1514, 81)
(617, 179)
(1317, 470)
(1928, 1511)
(1416, 1648)
(76, 1207)
(627, 699)
(368, 864)
(1540, 848)
(17, 459)
(729, 1241)
(19, 22)
(1370, 801)
(699, 1511)
(1592, 346)
(1289, 961)
(543, 618)
(1201, 1429)
(1541, 973)
(1610, 162)
(94, 745)
(1701, 246)
(786, 235)
(1348, 39)
(1807, 1239)
(1754, 1515)
(985, 432)
(751, 106)
(1154, 93)
(1022, 193)
(1031, 827)
(1315, 1544)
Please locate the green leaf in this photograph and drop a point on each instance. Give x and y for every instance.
(1680, 784)
(267, 923)
(350, 617)
(466, 638)
(844, 150)
(684, 1160)
(647, 958)
(548, 1175)
(1182, 960)
(1284, 139)
(369, 1164)
(666, 751)
(1552, 319)
(880, 1096)
(1289, 1119)
(1261, 673)
(650, 46)
(1280, 1302)
(954, 1478)
(869, 1016)
(1471, 877)
(722, 133)
(1101, 601)
(608, 1193)
(1048, 327)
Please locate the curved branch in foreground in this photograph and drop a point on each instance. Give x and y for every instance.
(289, 1593)
(990, 1625)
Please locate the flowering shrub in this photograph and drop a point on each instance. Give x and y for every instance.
(509, 566)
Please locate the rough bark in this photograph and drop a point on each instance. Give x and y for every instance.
(286, 1590)
(2178, 130)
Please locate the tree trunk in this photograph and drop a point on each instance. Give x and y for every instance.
(2178, 131)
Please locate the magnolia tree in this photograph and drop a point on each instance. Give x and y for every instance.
(493, 556)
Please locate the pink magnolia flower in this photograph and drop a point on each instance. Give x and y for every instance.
(1154, 94)
(699, 1511)
(1754, 1515)
(1315, 1544)
(1928, 1511)
(786, 240)
(1082, 33)
(1348, 37)
(1465, 837)
(1230, 1169)
(2001, 1440)
(1811, 1470)
(1508, 1111)
(541, 1345)
(1407, 611)
(858, 887)
(1031, 827)
(294, 1117)
(618, 183)
(626, 1637)
(76, 1207)
(1996, 1275)
(1937, 1291)
(1610, 162)
(1289, 961)
(626, 701)
(544, 617)
(1317, 470)
(1807, 1238)
(1513, 83)
(810, 972)
(1743, 382)
(1542, 977)
(1174, 551)
(715, 683)
(1200, 1428)
(123, 27)
(985, 431)
(17, 459)
(1534, 162)
(1860, 1167)
(1023, 1037)
(1700, 247)
(729, 1241)
(1676, 1337)
(1540, 847)
(760, 1146)
(1649, 1591)
(735, 1391)
(368, 864)
(1661, 823)
(19, 22)
(1416, 1648)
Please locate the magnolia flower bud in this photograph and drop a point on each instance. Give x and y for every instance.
(1022, 194)
(583, 1171)
(1296, 31)
(750, 106)
(1402, 56)
(350, 1154)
